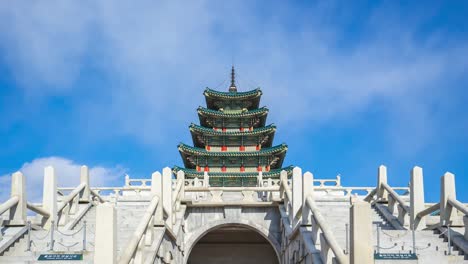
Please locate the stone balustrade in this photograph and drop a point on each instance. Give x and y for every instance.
(55, 212)
(296, 198)
(161, 214)
(129, 182)
(54, 208)
(143, 229)
(302, 215)
(448, 208)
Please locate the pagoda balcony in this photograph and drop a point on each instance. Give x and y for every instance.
(274, 173)
(232, 148)
(233, 169)
(232, 130)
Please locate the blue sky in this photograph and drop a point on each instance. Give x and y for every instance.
(350, 85)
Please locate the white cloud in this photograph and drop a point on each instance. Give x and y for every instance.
(67, 173)
(159, 56)
(45, 43)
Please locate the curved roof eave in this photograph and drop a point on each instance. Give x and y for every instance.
(205, 111)
(233, 95)
(279, 149)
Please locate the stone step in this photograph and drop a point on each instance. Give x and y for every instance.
(129, 215)
(338, 214)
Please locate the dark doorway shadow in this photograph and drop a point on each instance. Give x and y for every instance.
(232, 244)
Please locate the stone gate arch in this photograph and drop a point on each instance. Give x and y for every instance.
(214, 225)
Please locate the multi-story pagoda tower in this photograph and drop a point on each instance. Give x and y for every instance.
(232, 143)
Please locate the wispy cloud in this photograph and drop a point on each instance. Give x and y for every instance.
(157, 56)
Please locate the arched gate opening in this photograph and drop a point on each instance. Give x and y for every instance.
(232, 244)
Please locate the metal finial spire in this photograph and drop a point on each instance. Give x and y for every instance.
(233, 77)
(233, 87)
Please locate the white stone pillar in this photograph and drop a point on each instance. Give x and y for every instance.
(447, 213)
(206, 179)
(18, 189)
(49, 196)
(127, 180)
(156, 189)
(307, 190)
(180, 178)
(167, 194)
(196, 183)
(269, 196)
(382, 194)
(260, 179)
(283, 177)
(84, 178)
(296, 195)
(105, 249)
(416, 198)
(361, 233)
(465, 223)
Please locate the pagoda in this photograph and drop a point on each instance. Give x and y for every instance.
(232, 143)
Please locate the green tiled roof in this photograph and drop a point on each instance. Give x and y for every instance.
(233, 95)
(210, 112)
(231, 111)
(263, 152)
(210, 131)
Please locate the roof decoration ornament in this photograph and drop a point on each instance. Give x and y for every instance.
(233, 88)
